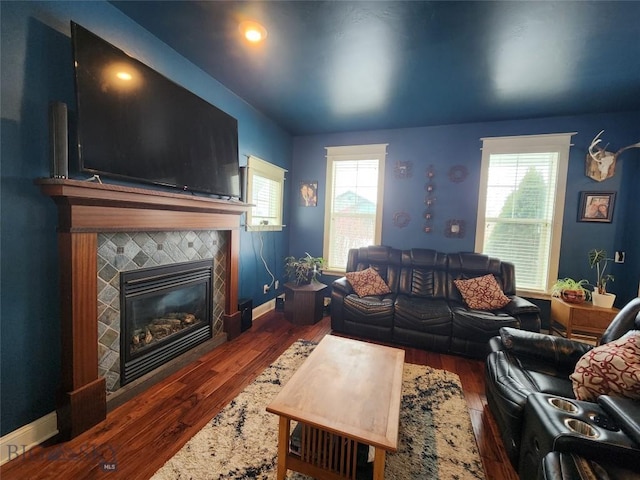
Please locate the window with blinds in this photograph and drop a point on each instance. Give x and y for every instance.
(265, 187)
(353, 202)
(521, 205)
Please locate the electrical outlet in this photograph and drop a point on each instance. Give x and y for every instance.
(619, 257)
(277, 284)
(265, 288)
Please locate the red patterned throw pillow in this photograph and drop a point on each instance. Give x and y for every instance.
(482, 293)
(609, 369)
(367, 282)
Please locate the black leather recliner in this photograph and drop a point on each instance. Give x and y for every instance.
(522, 363)
(568, 465)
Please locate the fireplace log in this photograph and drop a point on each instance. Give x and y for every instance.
(160, 328)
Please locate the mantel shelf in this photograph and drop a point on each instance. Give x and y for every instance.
(81, 192)
(89, 207)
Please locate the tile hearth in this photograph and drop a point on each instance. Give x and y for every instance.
(126, 251)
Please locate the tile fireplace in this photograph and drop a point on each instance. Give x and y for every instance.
(87, 210)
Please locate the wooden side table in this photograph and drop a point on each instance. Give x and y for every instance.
(303, 304)
(579, 319)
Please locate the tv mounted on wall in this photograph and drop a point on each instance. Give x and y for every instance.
(135, 124)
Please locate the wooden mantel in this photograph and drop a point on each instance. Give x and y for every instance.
(84, 210)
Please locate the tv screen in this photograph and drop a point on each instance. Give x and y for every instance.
(136, 124)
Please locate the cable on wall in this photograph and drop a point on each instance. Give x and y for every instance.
(273, 279)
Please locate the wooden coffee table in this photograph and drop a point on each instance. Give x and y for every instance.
(346, 392)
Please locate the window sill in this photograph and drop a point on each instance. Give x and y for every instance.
(533, 294)
(335, 273)
(264, 228)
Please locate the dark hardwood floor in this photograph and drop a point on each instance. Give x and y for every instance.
(138, 437)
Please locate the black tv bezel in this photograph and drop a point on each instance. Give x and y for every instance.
(134, 179)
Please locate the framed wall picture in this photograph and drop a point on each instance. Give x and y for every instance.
(308, 196)
(596, 206)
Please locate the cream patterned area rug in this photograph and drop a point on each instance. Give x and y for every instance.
(436, 438)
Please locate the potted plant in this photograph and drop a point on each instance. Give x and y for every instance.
(598, 259)
(303, 270)
(570, 290)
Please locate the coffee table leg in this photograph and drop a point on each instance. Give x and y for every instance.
(283, 447)
(378, 464)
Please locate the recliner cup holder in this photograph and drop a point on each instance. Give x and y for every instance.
(581, 428)
(563, 404)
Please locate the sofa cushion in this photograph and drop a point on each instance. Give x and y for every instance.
(479, 325)
(609, 369)
(369, 310)
(482, 293)
(423, 315)
(367, 283)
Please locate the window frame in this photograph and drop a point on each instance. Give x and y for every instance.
(353, 153)
(264, 169)
(557, 142)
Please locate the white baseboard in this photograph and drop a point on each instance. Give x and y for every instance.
(16, 443)
(264, 308)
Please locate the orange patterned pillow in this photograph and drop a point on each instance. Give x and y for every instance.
(482, 293)
(610, 369)
(367, 282)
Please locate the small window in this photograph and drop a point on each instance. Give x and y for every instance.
(521, 205)
(265, 187)
(353, 218)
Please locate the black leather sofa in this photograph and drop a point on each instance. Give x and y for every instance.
(425, 308)
(523, 363)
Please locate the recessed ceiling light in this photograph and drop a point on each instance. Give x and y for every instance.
(253, 31)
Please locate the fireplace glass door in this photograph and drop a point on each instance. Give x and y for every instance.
(165, 311)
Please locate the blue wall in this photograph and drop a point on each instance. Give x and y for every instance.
(445, 146)
(37, 68)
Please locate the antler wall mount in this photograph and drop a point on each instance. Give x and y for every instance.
(600, 164)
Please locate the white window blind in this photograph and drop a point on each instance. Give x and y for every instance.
(521, 206)
(265, 187)
(353, 202)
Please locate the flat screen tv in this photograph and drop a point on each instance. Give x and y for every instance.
(135, 124)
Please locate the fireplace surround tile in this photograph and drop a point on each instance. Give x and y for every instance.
(101, 329)
(125, 251)
(110, 317)
(110, 339)
(108, 295)
(141, 259)
(107, 272)
(158, 237)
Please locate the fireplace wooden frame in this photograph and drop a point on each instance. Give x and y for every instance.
(84, 210)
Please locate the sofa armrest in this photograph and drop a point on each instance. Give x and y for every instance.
(340, 288)
(626, 413)
(519, 305)
(342, 285)
(561, 353)
(525, 311)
